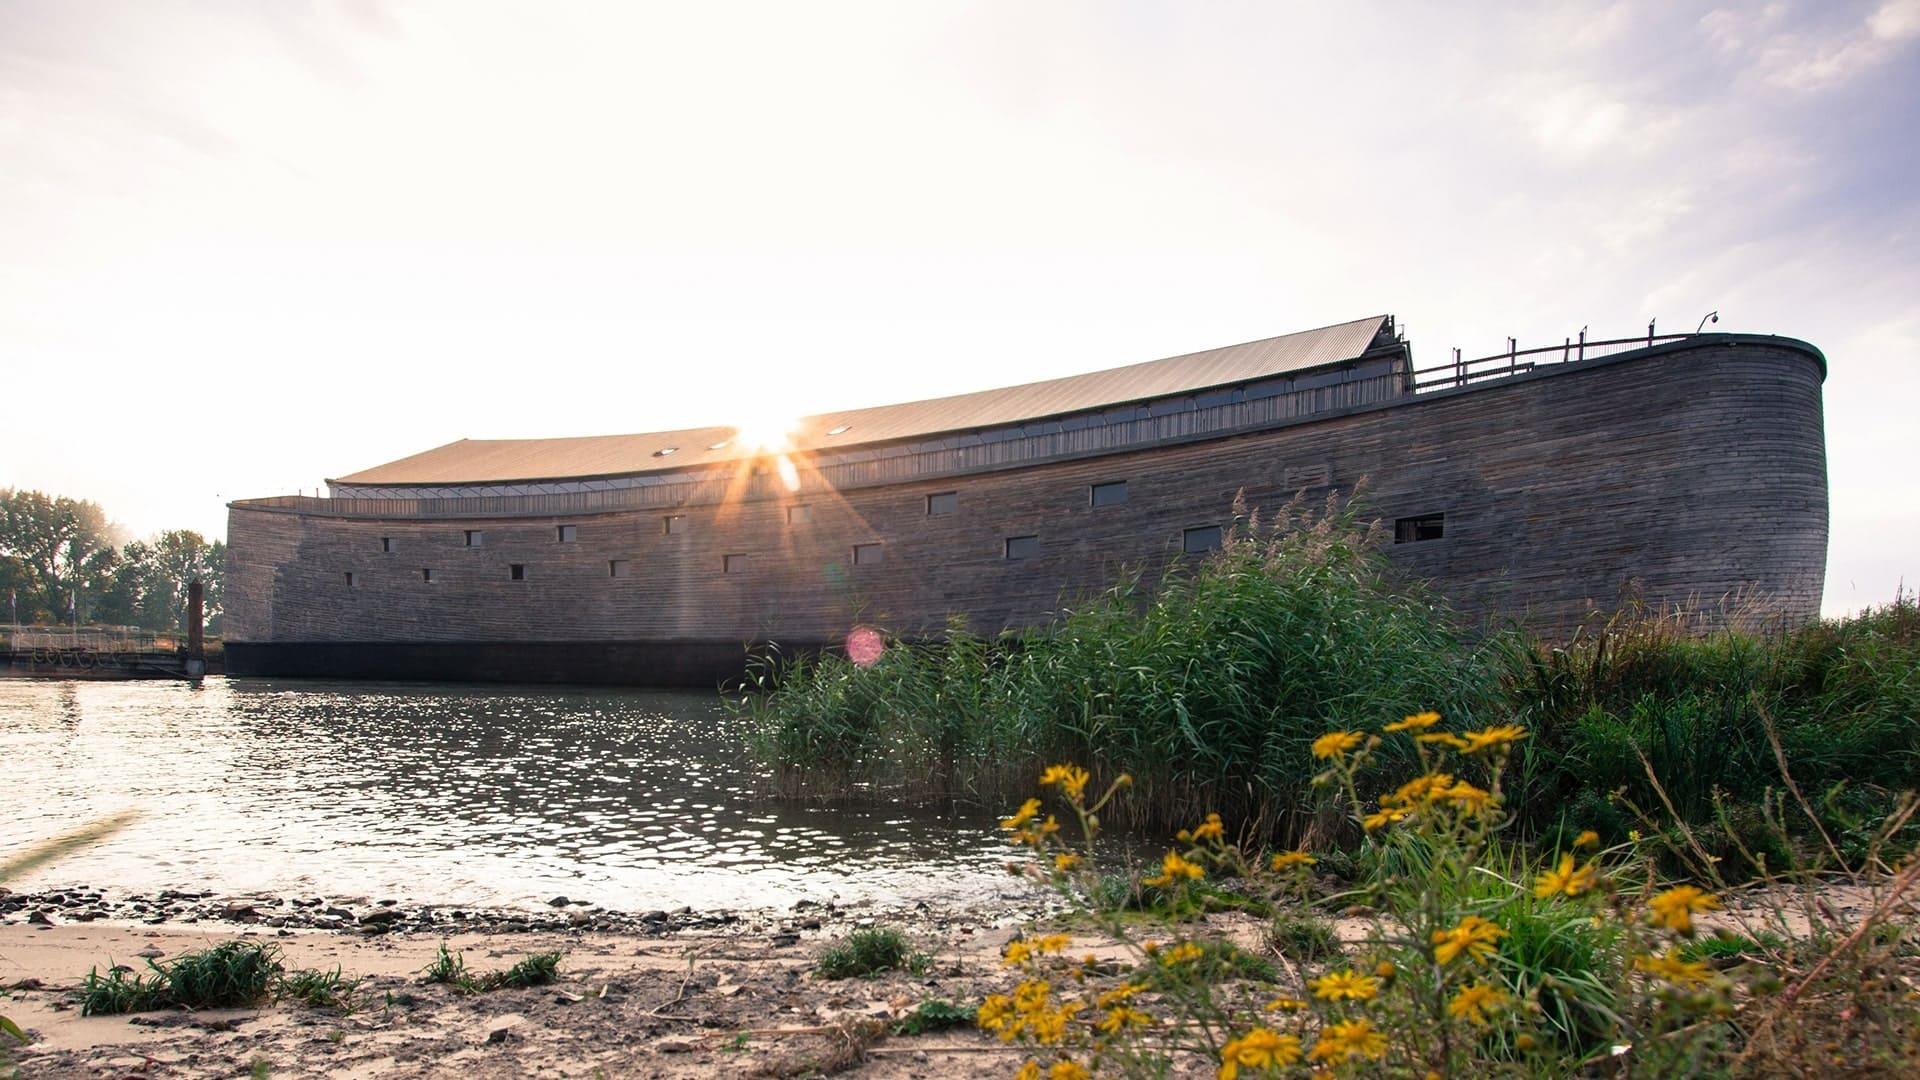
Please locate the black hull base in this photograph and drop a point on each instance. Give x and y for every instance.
(661, 664)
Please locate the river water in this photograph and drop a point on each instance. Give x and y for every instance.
(442, 794)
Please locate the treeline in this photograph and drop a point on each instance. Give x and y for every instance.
(62, 559)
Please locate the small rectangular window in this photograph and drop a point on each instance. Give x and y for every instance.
(517, 571)
(1413, 530)
(869, 554)
(617, 567)
(734, 564)
(943, 503)
(799, 515)
(349, 579)
(1201, 540)
(475, 538)
(386, 543)
(567, 534)
(1109, 494)
(676, 523)
(1022, 547)
(426, 574)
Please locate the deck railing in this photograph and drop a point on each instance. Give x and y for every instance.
(1520, 361)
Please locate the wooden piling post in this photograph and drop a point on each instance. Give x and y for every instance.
(196, 635)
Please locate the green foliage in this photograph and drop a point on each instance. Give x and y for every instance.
(231, 974)
(1219, 961)
(1304, 938)
(320, 989)
(120, 990)
(537, 969)
(1714, 716)
(450, 969)
(1207, 688)
(868, 951)
(934, 1015)
(61, 558)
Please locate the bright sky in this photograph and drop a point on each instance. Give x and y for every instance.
(244, 247)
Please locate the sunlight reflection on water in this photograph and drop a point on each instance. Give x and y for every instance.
(442, 794)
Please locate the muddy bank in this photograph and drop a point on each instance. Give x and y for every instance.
(689, 994)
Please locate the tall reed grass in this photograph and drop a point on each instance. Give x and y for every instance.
(1208, 685)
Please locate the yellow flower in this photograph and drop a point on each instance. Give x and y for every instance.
(1466, 795)
(1288, 859)
(1027, 812)
(1416, 722)
(1418, 790)
(1071, 778)
(1564, 880)
(1016, 953)
(1181, 953)
(1494, 738)
(1052, 943)
(1068, 1069)
(1174, 868)
(1122, 1018)
(1260, 1048)
(1031, 996)
(1065, 861)
(1335, 743)
(1673, 969)
(1384, 817)
(1475, 936)
(1119, 994)
(1211, 829)
(1348, 1040)
(1587, 838)
(1345, 984)
(1442, 738)
(995, 1012)
(1285, 1004)
(1029, 1071)
(1674, 909)
(1473, 1001)
(1385, 969)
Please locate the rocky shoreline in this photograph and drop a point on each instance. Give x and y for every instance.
(285, 915)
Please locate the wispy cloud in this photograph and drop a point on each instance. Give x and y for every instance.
(426, 221)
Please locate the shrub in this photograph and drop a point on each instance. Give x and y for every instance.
(868, 951)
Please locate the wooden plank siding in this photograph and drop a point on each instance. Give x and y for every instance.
(1680, 474)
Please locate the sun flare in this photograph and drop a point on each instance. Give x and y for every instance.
(766, 434)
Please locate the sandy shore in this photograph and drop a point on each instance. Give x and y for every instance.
(683, 1003)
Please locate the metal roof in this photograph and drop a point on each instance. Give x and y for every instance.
(473, 461)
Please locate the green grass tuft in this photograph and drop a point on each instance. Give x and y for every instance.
(1305, 939)
(868, 952)
(934, 1015)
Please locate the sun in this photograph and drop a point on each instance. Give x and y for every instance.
(770, 434)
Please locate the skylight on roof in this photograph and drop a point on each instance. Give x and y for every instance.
(665, 450)
(721, 445)
(841, 430)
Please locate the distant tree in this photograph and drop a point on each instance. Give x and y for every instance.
(159, 572)
(60, 550)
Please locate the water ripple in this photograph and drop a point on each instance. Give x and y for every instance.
(461, 795)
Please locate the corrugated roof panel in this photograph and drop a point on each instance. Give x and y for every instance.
(474, 461)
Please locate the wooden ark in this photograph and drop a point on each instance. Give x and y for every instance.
(1542, 486)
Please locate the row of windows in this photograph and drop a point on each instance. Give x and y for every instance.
(939, 504)
(1194, 541)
